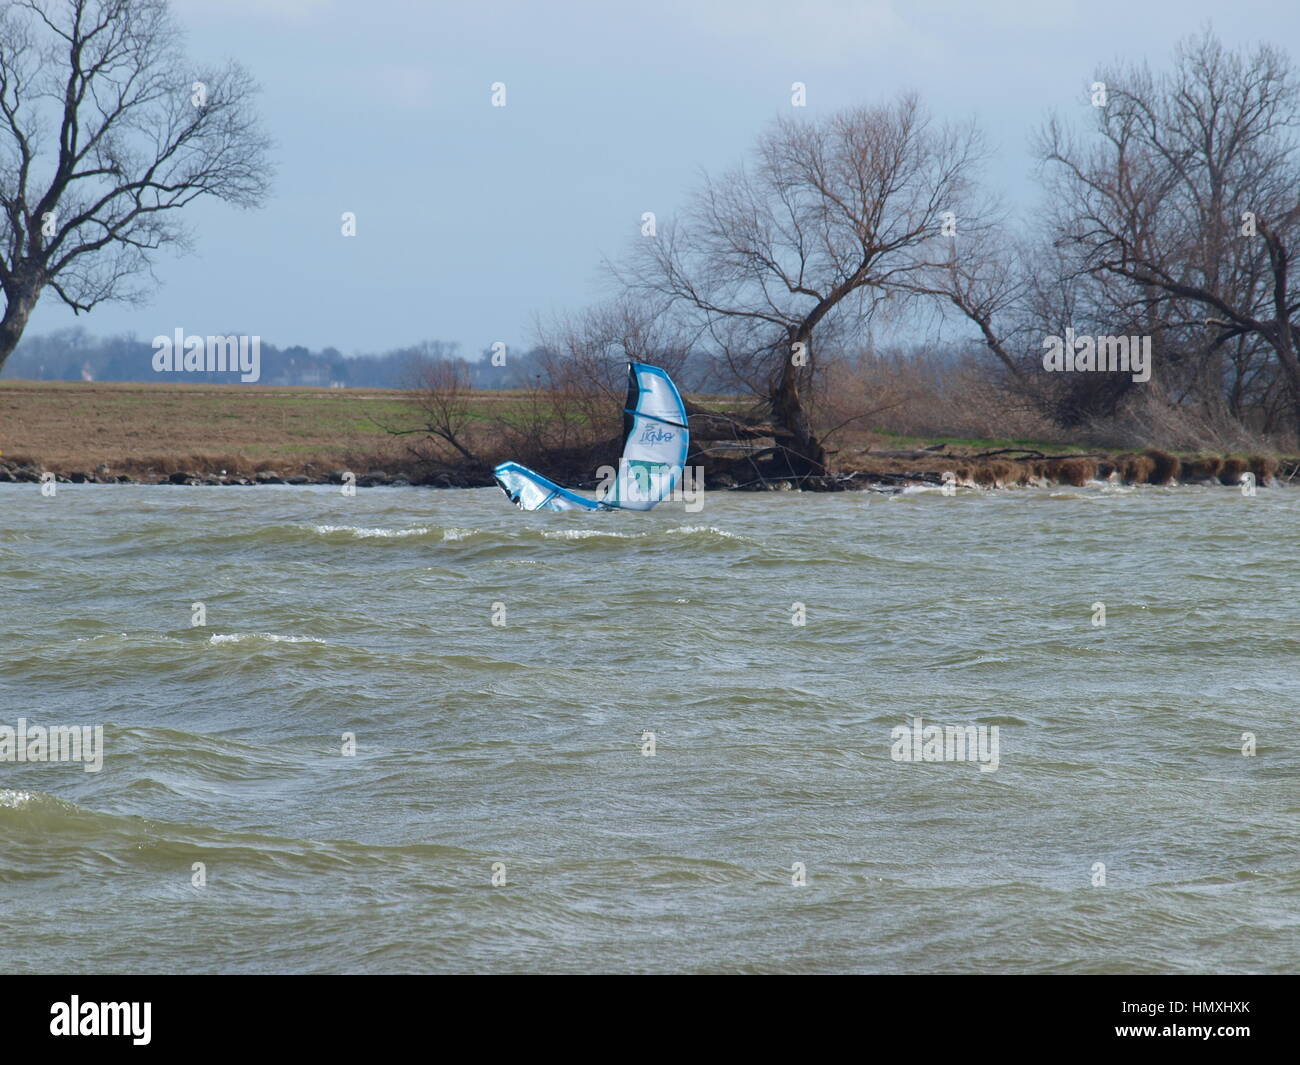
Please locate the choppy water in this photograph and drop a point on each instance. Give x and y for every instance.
(522, 744)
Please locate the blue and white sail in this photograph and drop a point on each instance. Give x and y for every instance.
(655, 439)
(531, 491)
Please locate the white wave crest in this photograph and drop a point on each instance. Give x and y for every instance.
(614, 534)
(269, 637)
(691, 530)
(587, 534)
(361, 533)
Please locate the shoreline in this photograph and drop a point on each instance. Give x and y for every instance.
(176, 434)
(892, 472)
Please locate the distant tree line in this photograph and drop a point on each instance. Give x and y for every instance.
(73, 355)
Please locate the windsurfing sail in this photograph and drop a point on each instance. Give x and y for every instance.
(531, 491)
(655, 439)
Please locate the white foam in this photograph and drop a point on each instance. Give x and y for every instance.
(586, 534)
(362, 533)
(151, 637)
(690, 530)
(269, 637)
(612, 534)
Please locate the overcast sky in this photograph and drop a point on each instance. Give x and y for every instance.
(473, 220)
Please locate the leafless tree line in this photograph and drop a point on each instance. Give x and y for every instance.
(1174, 214)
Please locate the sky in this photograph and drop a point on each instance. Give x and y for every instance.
(475, 222)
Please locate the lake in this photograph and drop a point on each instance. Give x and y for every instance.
(416, 730)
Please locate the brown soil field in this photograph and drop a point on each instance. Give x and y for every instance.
(138, 428)
(150, 431)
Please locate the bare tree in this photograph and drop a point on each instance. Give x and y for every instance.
(831, 220)
(105, 133)
(445, 398)
(585, 354)
(986, 276)
(1190, 194)
(584, 363)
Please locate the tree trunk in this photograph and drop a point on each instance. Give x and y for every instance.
(18, 308)
(1291, 371)
(795, 438)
